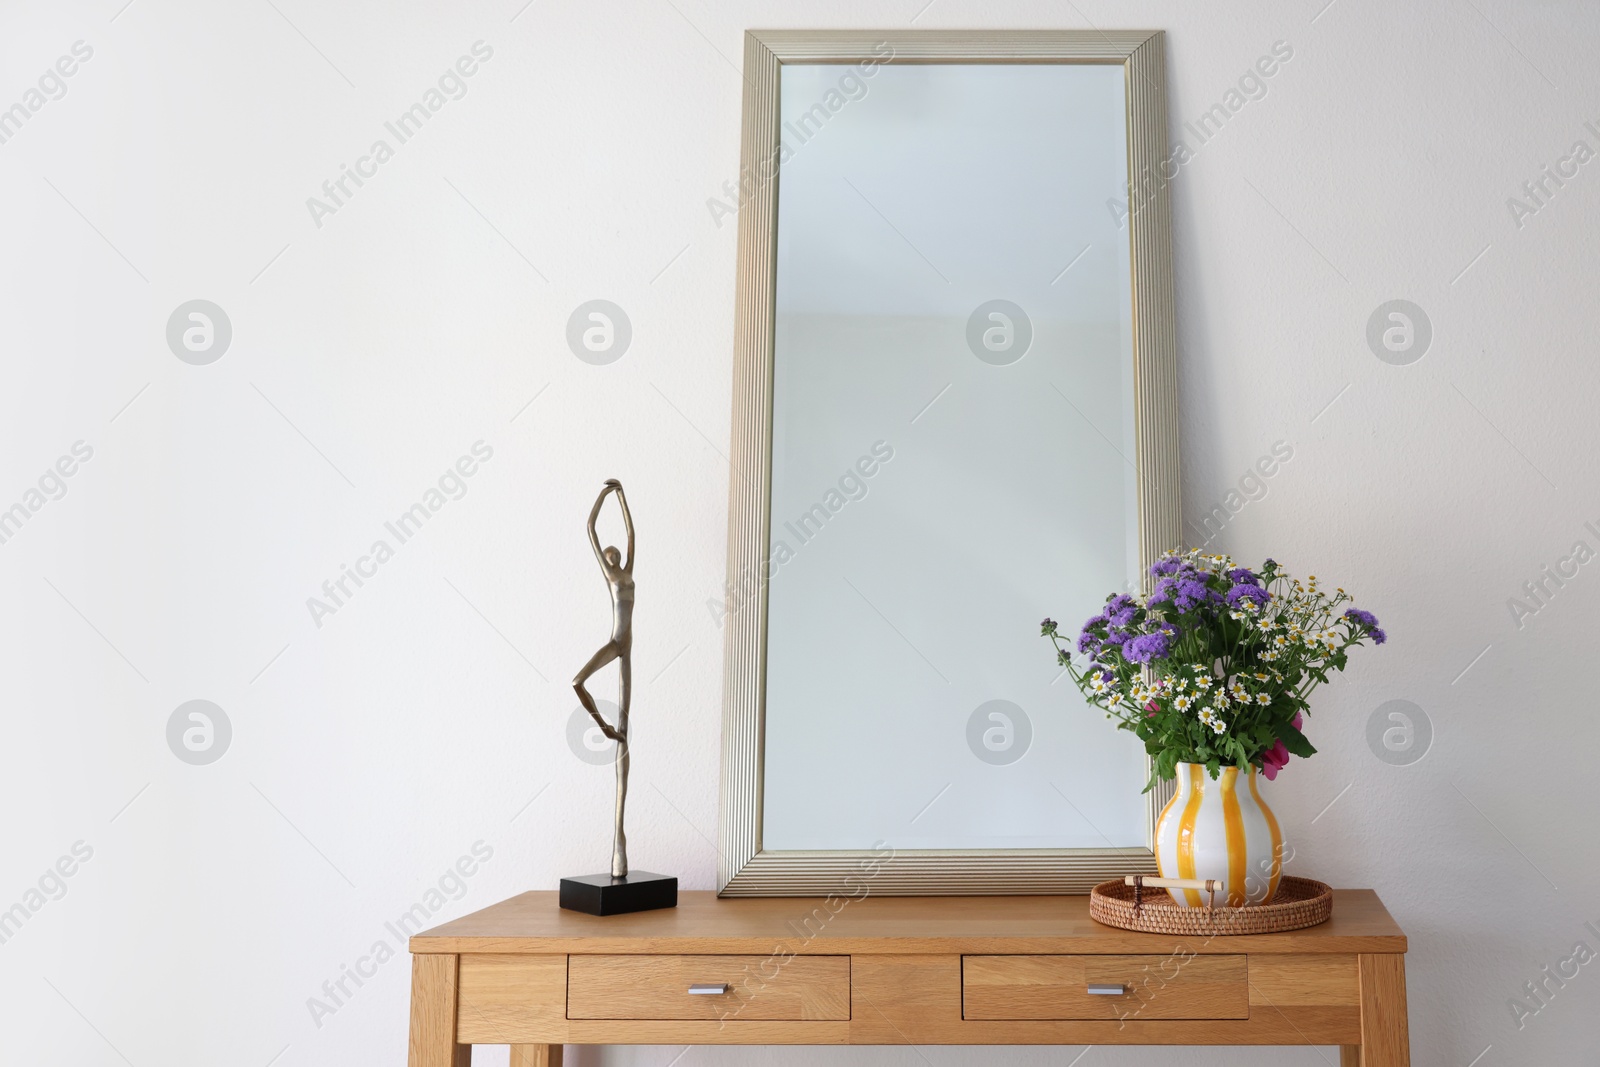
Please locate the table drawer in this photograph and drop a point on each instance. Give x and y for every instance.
(756, 987)
(1059, 987)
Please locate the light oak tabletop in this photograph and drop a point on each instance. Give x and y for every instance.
(532, 923)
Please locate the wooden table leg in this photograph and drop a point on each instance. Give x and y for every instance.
(536, 1055)
(1385, 1034)
(433, 1013)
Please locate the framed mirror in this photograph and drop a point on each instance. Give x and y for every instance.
(954, 414)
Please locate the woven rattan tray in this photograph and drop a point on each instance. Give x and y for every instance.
(1300, 902)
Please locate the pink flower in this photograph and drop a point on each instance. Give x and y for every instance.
(1151, 708)
(1276, 758)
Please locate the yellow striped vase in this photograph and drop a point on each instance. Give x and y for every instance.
(1220, 829)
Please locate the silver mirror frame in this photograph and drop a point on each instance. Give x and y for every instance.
(745, 868)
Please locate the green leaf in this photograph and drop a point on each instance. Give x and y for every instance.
(1294, 740)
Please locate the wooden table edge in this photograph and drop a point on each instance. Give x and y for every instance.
(1374, 933)
(1161, 944)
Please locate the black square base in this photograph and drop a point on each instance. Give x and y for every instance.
(601, 894)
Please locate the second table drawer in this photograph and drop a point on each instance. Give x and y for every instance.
(1086, 987)
(757, 987)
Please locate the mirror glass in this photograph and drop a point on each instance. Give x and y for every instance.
(952, 446)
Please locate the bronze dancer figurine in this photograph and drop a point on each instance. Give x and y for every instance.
(619, 577)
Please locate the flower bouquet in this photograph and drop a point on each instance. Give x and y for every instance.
(1212, 671)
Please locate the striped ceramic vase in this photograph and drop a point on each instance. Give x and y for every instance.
(1220, 829)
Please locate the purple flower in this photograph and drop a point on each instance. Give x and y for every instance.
(1166, 589)
(1192, 592)
(1087, 643)
(1146, 647)
(1170, 565)
(1247, 592)
(1243, 576)
(1365, 618)
(1378, 636)
(1120, 610)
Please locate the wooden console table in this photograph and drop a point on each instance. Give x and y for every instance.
(896, 971)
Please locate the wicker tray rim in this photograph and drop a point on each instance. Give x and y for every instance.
(1300, 902)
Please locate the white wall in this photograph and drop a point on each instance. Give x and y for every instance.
(368, 354)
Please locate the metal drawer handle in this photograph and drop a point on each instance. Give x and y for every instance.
(714, 989)
(1107, 990)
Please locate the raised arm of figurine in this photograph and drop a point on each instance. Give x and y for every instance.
(627, 522)
(594, 516)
